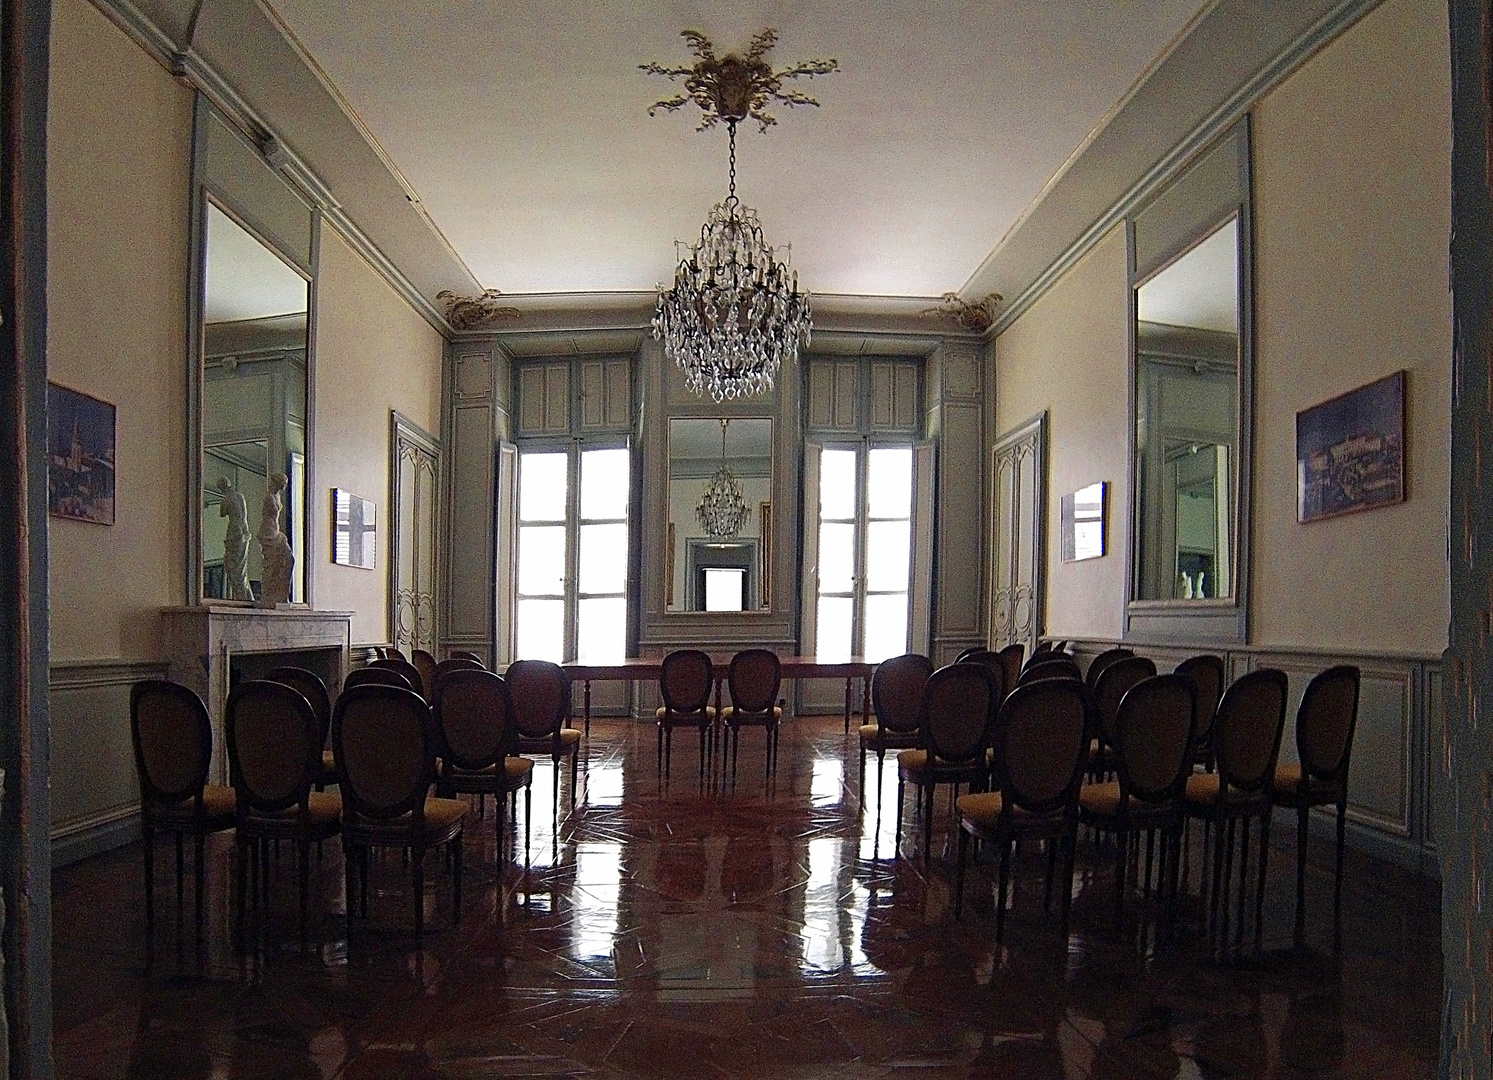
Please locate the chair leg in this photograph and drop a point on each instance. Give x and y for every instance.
(417, 857)
(1122, 864)
(456, 853)
(148, 842)
(1301, 823)
(897, 835)
(1052, 862)
(555, 791)
(1260, 887)
(348, 876)
(199, 877)
(528, 820)
(660, 749)
(1000, 899)
(928, 825)
(862, 776)
(241, 847)
(668, 751)
(880, 777)
(1243, 879)
(180, 873)
(575, 764)
(702, 753)
(500, 805)
(1070, 844)
(959, 873)
(1146, 881)
(304, 867)
(1337, 885)
(1226, 847)
(363, 855)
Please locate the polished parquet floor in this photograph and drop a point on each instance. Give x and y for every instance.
(760, 931)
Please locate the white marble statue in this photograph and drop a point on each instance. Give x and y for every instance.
(235, 542)
(274, 548)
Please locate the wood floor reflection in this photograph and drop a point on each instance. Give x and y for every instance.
(706, 931)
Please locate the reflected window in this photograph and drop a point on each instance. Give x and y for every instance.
(598, 891)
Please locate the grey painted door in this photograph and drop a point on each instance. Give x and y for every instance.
(1019, 512)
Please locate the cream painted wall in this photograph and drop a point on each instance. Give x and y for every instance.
(119, 135)
(1067, 355)
(1352, 223)
(1352, 162)
(374, 353)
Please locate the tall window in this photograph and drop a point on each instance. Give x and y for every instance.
(572, 554)
(865, 551)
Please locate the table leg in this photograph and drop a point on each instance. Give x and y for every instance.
(865, 699)
(847, 704)
(586, 692)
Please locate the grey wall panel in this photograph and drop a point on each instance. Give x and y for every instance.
(593, 401)
(960, 545)
(470, 570)
(474, 376)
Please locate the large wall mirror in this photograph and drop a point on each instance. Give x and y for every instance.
(720, 515)
(1190, 252)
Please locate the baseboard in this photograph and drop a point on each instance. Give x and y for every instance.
(1375, 843)
(84, 841)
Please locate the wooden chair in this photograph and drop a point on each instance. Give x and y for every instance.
(541, 706)
(1040, 749)
(685, 683)
(1246, 743)
(455, 663)
(1206, 672)
(1153, 733)
(425, 664)
(1012, 656)
(377, 676)
(274, 752)
(1325, 723)
(754, 677)
(309, 685)
(383, 740)
(1048, 666)
(390, 652)
(1100, 662)
(991, 662)
(173, 744)
(477, 744)
(897, 699)
(1113, 682)
(965, 654)
(958, 714)
(465, 654)
(405, 668)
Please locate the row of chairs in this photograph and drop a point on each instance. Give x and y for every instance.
(1118, 749)
(686, 684)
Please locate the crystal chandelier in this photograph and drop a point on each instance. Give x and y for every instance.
(734, 315)
(721, 510)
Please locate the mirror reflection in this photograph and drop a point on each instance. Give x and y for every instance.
(1186, 425)
(253, 419)
(720, 482)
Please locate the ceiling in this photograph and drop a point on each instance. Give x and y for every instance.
(245, 280)
(522, 129)
(1200, 290)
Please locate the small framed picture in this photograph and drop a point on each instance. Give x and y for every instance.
(1081, 516)
(1350, 451)
(80, 456)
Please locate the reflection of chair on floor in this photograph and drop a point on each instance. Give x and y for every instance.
(474, 716)
(309, 685)
(1041, 748)
(541, 705)
(959, 710)
(1324, 742)
(685, 682)
(754, 678)
(383, 739)
(173, 742)
(897, 699)
(274, 752)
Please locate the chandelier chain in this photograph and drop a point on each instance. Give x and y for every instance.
(731, 199)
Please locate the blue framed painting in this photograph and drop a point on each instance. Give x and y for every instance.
(80, 456)
(1350, 451)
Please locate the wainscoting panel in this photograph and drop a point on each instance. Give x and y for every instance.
(95, 796)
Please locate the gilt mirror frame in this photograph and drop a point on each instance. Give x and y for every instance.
(231, 173)
(1211, 190)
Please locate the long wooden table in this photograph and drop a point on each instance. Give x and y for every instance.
(649, 668)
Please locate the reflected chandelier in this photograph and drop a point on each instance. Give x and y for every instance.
(734, 314)
(722, 511)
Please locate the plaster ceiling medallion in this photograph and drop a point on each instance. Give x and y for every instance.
(475, 312)
(722, 511)
(734, 314)
(977, 316)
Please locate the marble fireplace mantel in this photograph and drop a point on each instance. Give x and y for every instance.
(204, 640)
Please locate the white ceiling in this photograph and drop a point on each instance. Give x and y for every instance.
(522, 127)
(245, 279)
(1199, 290)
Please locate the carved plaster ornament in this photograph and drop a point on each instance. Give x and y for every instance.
(474, 312)
(976, 317)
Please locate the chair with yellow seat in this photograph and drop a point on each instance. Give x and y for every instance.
(1040, 745)
(959, 708)
(685, 682)
(1113, 682)
(991, 661)
(1153, 731)
(1325, 723)
(383, 738)
(540, 691)
(1246, 742)
(274, 752)
(455, 663)
(1207, 673)
(309, 685)
(476, 744)
(1049, 666)
(173, 743)
(425, 664)
(1012, 656)
(379, 676)
(753, 678)
(1102, 661)
(897, 700)
(405, 668)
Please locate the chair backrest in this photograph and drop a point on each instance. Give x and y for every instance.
(991, 662)
(1042, 647)
(387, 652)
(173, 740)
(959, 709)
(309, 685)
(1118, 677)
(474, 715)
(965, 654)
(897, 692)
(1045, 666)
(381, 740)
(425, 665)
(433, 699)
(405, 668)
(1247, 729)
(1041, 745)
(378, 676)
(1012, 656)
(1206, 672)
(466, 654)
(754, 677)
(1154, 729)
(1325, 722)
(540, 691)
(1102, 661)
(686, 680)
(274, 752)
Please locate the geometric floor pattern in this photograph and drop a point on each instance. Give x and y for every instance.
(711, 930)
